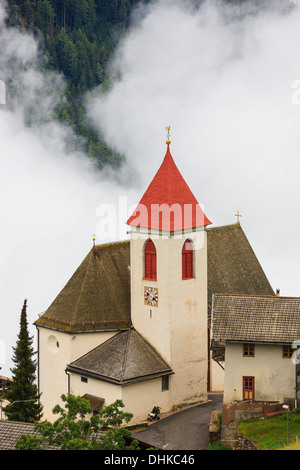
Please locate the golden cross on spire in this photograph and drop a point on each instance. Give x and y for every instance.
(238, 215)
(168, 135)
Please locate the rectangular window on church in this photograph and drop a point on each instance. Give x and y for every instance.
(165, 385)
(248, 350)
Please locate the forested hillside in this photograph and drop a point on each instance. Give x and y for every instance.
(79, 37)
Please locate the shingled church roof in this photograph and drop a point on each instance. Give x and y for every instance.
(97, 297)
(125, 358)
(232, 265)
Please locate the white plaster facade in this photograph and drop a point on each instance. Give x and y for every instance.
(216, 376)
(56, 349)
(139, 398)
(177, 326)
(274, 375)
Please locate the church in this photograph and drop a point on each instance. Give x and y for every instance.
(133, 321)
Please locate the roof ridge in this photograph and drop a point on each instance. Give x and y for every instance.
(126, 352)
(258, 295)
(104, 245)
(155, 351)
(235, 225)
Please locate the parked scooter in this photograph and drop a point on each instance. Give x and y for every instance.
(154, 414)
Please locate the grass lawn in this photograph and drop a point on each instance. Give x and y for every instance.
(271, 432)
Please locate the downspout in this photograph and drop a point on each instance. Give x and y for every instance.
(66, 371)
(296, 382)
(211, 327)
(209, 354)
(211, 317)
(296, 402)
(38, 359)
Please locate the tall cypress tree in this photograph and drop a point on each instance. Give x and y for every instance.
(22, 392)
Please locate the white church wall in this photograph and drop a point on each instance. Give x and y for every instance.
(177, 326)
(56, 350)
(140, 398)
(98, 388)
(189, 322)
(149, 320)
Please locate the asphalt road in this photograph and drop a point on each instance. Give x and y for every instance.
(185, 430)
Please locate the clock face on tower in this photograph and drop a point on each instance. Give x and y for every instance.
(151, 296)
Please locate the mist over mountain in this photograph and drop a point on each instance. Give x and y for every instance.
(50, 187)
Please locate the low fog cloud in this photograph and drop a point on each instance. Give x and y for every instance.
(50, 192)
(224, 76)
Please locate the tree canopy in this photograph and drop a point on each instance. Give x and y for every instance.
(79, 37)
(22, 392)
(76, 429)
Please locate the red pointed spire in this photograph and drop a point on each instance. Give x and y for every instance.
(168, 203)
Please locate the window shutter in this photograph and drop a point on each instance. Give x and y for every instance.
(153, 266)
(189, 264)
(148, 263)
(184, 265)
(187, 260)
(150, 260)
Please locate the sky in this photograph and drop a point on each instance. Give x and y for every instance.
(227, 81)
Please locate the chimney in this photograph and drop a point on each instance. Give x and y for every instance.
(277, 292)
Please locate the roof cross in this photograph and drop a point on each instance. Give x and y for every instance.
(238, 215)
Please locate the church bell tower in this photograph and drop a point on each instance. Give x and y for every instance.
(168, 251)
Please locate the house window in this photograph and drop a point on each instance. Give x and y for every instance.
(187, 260)
(84, 379)
(150, 261)
(287, 352)
(248, 388)
(248, 350)
(165, 384)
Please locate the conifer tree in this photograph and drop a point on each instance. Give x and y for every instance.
(22, 392)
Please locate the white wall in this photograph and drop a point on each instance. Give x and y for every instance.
(98, 388)
(141, 397)
(138, 398)
(216, 376)
(274, 375)
(56, 350)
(177, 327)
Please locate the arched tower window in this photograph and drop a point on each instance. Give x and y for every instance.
(150, 261)
(187, 260)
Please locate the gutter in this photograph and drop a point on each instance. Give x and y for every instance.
(38, 360)
(113, 381)
(212, 317)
